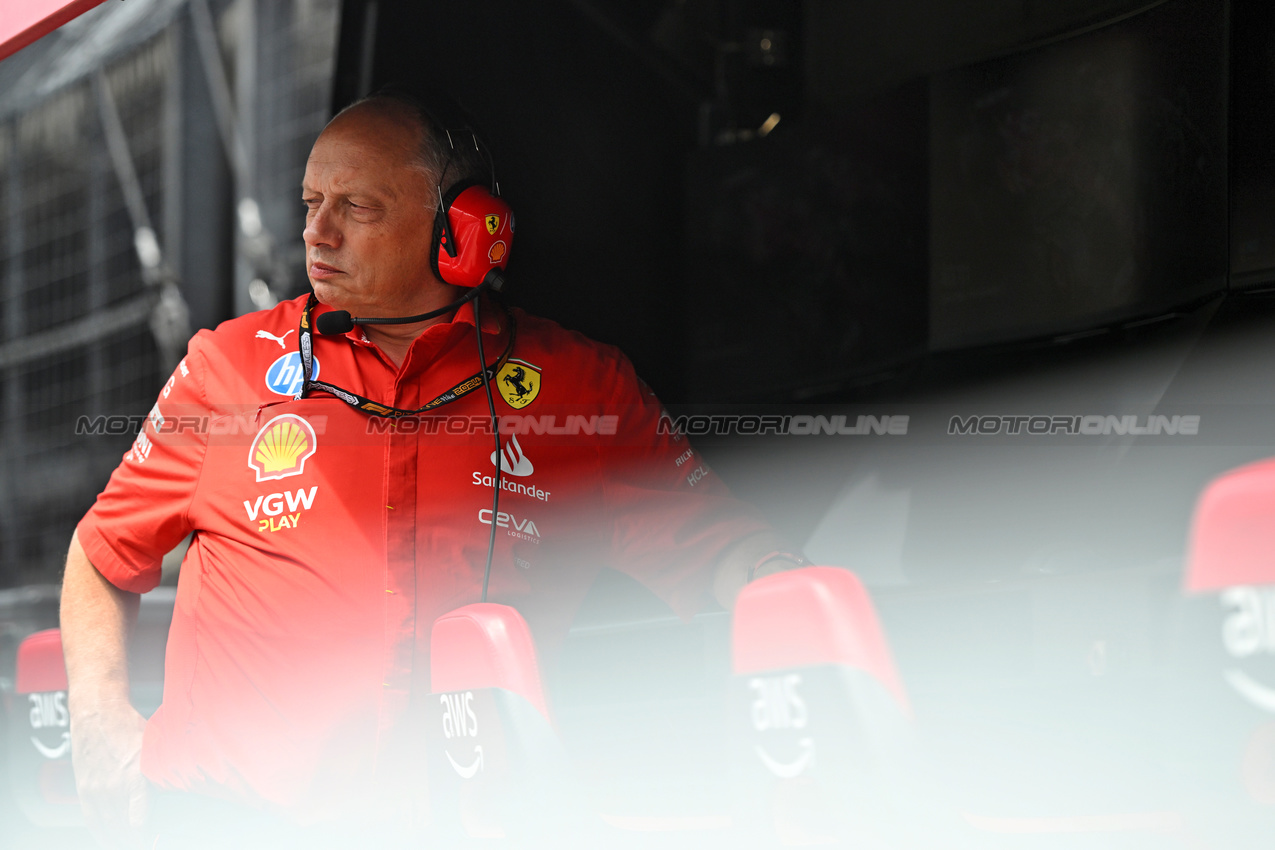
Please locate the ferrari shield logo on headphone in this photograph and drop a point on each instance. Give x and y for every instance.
(493, 224)
(519, 383)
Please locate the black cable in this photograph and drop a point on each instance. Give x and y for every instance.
(340, 321)
(464, 299)
(495, 430)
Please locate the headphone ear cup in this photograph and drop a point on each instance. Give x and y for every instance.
(473, 232)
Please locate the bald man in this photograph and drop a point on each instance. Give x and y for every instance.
(327, 540)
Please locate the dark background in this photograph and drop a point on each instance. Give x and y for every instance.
(943, 175)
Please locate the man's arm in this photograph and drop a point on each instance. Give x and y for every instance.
(106, 731)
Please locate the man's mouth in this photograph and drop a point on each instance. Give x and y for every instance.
(322, 271)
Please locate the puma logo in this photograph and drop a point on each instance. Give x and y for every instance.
(278, 339)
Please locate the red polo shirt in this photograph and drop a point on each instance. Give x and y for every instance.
(326, 541)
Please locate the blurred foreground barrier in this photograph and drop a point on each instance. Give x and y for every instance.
(40, 771)
(497, 766)
(1223, 709)
(825, 746)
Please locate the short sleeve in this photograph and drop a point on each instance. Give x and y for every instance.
(144, 511)
(671, 516)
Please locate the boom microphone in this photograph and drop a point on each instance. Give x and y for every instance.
(336, 322)
(340, 321)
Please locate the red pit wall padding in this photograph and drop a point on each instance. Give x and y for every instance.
(815, 615)
(485, 645)
(24, 21)
(1233, 531)
(40, 664)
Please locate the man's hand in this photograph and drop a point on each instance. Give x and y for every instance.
(735, 563)
(106, 748)
(106, 731)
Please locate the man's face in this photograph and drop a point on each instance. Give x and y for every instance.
(369, 217)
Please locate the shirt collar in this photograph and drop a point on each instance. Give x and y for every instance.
(464, 315)
(491, 316)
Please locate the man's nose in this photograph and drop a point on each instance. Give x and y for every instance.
(320, 229)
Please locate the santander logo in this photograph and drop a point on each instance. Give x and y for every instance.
(512, 460)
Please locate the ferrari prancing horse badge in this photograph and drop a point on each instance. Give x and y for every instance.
(519, 383)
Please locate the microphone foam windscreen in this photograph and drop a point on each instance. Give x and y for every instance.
(335, 322)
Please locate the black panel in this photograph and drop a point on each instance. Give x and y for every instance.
(589, 146)
(1080, 183)
(808, 254)
(1070, 186)
(1252, 142)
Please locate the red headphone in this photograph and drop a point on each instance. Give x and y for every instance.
(473, 232)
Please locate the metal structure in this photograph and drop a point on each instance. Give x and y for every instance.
(150, 156)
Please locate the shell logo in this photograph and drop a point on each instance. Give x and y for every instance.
(282, 447)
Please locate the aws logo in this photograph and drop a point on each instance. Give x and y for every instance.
(460, 721)
(48, 711)
(282, 447)
(778, 705)
(1248, 634)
